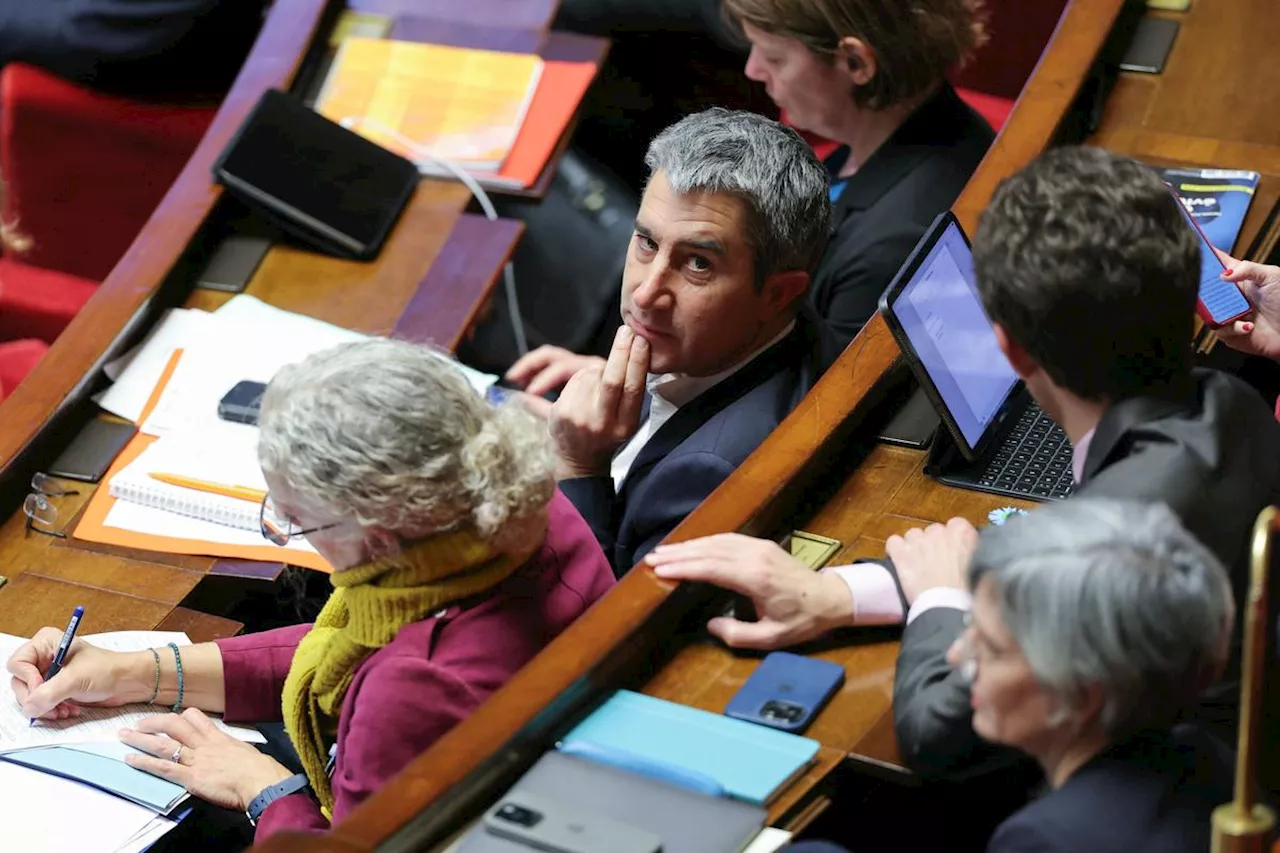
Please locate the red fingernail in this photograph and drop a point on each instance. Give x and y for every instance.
(1248, 327)
(1231, 272)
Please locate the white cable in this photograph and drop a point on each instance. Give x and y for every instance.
(508, 272)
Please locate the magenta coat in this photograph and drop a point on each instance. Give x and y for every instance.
(432, 675)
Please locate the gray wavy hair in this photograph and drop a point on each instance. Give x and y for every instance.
(768, 166)
(391, 434)
(1111, 594)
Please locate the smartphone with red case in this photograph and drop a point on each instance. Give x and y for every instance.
(1221, 302)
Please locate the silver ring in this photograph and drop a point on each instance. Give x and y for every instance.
(176, 758)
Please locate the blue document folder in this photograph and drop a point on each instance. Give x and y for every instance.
(749, 762)
(101, 765)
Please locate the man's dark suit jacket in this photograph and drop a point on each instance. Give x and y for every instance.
(891, 200)
(134, 46)
(701, 444)
(1152, 793)
(1212, 455)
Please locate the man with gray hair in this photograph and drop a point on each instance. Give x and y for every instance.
(716, 345)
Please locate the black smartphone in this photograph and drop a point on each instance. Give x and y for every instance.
(241, 404)
(1152, 41)
(234, 262)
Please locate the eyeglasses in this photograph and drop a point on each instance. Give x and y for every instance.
(278, 528)
(40, 512)
(972, 649)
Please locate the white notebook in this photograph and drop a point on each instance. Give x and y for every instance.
(226, 454)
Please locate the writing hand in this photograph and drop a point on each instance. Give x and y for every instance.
(600, 409)
(89, 676)
(1259, 333)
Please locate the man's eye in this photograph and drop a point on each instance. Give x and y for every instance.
(646, 244)
(699, 264)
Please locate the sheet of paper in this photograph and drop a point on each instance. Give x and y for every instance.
(149, 834)
(94, 724)
(769, 840)
(247, 339)
(160, 522)
(136, 373)
(40, 813)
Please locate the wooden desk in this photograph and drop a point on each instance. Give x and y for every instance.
(1211, 107)
(629, 638)
(426, 285)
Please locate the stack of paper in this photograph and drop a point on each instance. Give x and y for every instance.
(432, 101)
(176, 403)
(76, 767)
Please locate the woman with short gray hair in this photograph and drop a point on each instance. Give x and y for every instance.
(455, 561)
(1095, 625)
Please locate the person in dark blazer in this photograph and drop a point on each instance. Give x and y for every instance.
(1090, 276)
(716, 347)
(1070, 659)
(870, 75)
(142, 47)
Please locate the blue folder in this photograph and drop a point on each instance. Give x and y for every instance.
(749, 762)
(101, 765)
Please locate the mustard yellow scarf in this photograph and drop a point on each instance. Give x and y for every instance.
(369, 605)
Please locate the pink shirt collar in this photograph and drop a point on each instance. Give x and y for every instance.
(1079, 453)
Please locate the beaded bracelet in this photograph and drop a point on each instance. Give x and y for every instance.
(177, 660)
(155, 691)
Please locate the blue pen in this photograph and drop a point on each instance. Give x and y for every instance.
(67, 636)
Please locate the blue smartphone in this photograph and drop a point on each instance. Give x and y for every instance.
(786, 691)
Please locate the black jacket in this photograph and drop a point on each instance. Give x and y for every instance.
(891, 200)
(1212, 455)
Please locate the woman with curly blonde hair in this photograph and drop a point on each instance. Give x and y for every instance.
(456, 561)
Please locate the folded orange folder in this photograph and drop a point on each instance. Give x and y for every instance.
(92, 526)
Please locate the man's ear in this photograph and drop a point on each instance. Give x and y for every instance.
(1021, 361)
(856, 55)
(782, 289)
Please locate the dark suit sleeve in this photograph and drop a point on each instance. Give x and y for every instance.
(74, 37)
(1021, 836)
(673, 490)
(931, 712)
(593, 497)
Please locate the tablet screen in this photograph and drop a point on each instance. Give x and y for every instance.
(941, 313)
(311, 169)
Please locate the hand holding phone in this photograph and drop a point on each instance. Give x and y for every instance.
(1221, 302)
(786, 691)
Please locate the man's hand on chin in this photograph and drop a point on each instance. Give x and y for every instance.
(794, 603)
(599, 409)
(936, 556)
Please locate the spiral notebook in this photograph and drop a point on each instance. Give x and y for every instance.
(227, 455)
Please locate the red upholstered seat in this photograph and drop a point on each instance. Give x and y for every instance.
(16, 360)
(84, 169)
(36, 302)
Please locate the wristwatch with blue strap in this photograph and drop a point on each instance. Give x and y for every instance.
(292, 785)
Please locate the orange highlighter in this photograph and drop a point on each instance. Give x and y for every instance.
(244, 493)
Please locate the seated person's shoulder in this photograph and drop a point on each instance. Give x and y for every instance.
(1150, 795)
